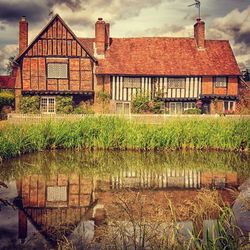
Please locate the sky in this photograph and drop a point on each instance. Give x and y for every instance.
(225, 19)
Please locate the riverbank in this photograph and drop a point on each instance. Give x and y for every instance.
(110, 133)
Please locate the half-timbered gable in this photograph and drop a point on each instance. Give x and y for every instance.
(56, 61)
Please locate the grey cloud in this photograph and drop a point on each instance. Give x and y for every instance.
(164, 29)
(132, 8)
(74, 5)
(235, 26)
(117, 10)
(11, 11)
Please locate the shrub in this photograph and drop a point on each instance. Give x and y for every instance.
(192, 111)
(157, 106)
(103, 96)
(140, 104)
(6, 99)
(30, 104)
(83, 108)
(64, 104)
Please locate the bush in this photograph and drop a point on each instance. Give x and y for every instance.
(192, 111)
(64, 104)
(30, 104)
(83, 108)
(157, 106)
(140, 104)
(6, 99)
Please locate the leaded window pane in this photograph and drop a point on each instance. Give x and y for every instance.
(132, 82)
(176, 83)
(221, 82)
(55, 194)
(58, 70)
(47, 105)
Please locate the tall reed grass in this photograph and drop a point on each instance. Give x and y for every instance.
(118, 133)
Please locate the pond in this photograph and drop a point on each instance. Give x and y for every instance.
(115, 199)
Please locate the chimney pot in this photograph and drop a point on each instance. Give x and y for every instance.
(23, 19)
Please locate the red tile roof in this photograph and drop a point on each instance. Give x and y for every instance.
(7, 82)
(88, 43)
(166, 56)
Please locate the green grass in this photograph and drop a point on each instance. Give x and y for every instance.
(118, 133)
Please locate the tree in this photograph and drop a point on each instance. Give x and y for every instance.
(9, 65)
(246, 74)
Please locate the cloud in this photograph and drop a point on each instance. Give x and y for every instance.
(235, 26)
(86, 12)
(6, 52)
(167, 30)
(74, 5)
(11, 11)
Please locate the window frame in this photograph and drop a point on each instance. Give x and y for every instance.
(217, 83)
(189, 105)
(229, 106)
(123, 108)
(47, 108)
(57, 63)
(176, 79)
(133, 81)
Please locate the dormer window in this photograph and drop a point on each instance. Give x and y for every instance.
(57, 70)
(220, 82)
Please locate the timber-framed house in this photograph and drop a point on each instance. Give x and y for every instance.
(182, 72)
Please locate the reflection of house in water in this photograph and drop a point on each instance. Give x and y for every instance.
(51, 203)
(171, 178)
(54, 202)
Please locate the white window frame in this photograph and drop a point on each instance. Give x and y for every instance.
(57, 70)
(221, 82)
(123, 108)
(45, 105)
(176, 83)
(229, 102)
(189, 105)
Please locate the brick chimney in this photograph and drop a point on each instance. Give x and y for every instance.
(102, 37)
(199, 33)
(23, 34)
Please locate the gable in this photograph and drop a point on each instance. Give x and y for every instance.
(57, 40)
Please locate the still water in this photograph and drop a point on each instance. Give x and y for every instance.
(70, 198)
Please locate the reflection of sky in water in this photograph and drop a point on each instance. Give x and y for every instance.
(9, 223)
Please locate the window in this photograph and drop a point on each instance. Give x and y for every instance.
(176, 83)
(57, 193)
(220, 82)
(57, 70)
(122, 108)
(229, 106)
(48, 105)
(189, 105)
(132, 82)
